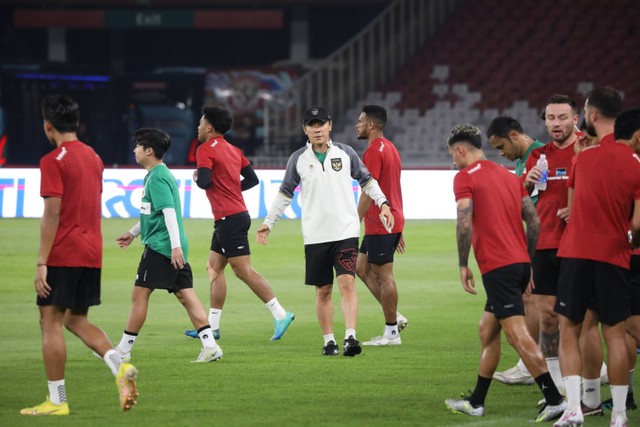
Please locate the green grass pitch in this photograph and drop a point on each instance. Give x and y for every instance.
(259, 382)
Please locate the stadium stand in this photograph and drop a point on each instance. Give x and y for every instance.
(487, 59)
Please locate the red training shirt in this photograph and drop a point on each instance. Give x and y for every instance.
(606, 181)
(498, 235)
(555, 196)
(73, 173)
(383, 161)
(225, 162)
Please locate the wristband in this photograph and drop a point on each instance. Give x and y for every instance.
(385, 203)
(40, 265)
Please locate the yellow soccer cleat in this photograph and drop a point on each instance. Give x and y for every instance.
(47, 408)
(126, 382)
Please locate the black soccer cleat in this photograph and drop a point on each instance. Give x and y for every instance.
(351, 347)
(331, 349)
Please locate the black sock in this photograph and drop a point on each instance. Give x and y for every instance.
(549, 389)
(480, 392)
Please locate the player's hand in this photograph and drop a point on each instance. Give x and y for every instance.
(386, 217)
(402, 245)
(563, 214)
(177, 258)
(40, 282)
(262, 235)
(125, 240)
(466, 278)
(533, 176)
(195, 175)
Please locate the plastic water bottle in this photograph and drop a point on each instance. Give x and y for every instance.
(541, 185)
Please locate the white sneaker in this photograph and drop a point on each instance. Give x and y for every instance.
(464, 407)
(209, 355)
(570, 418)
(619, 421)
(514, 376)
(402, 323)
(379, 341)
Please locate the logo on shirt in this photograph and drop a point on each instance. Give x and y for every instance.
(62, 153)
(145, 208)
(336, 164)
(214, 143)
(561, 171)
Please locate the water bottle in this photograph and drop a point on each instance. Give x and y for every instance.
(541, 185)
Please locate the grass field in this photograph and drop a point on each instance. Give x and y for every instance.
(260, 382)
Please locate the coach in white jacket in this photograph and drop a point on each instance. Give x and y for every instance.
(325, 171)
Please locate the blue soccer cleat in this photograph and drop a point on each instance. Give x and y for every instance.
(280, 326)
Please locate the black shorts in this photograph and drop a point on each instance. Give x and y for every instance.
(634, 274)
(230, 235)
(504, 287)
(379, 248)
(600, 286)
(77, 288)
(546, 271)
(322, 258)
(156, 272)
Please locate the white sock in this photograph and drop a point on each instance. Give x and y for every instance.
(553, 364)
(523, 368)
(214, 317)
(391, 331)
(328, 337)
(113, 361)
(349, 333)
(572, 388)
(127, 341)
(276, 309)
(206, 336)
(57, 392)
(619, 398)
(591, 392)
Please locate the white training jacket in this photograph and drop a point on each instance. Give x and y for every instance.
(329, 211)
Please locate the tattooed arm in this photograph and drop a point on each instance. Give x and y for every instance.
(530, 217)
(463, 236)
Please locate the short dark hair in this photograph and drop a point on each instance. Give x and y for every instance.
(377, 114)
(218, 117)
(62, 112)
(158, 140)
(465, 133)
(563, 99)
(606, 100)
(627, 124)
(502, 125)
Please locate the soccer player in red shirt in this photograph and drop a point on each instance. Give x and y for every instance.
(67, 280)
(220, 166)
(374, 264)
(627, 131)
(561, 117)
(596, 252)
(491, 204)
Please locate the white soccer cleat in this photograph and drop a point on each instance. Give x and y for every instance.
(124, 357)
(463, 406)
(514, 376)
(570, 418)
(382, 341)
(619, 421)
(403, 322)
(209, 355)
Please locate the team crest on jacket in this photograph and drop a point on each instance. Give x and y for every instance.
(336, 164)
